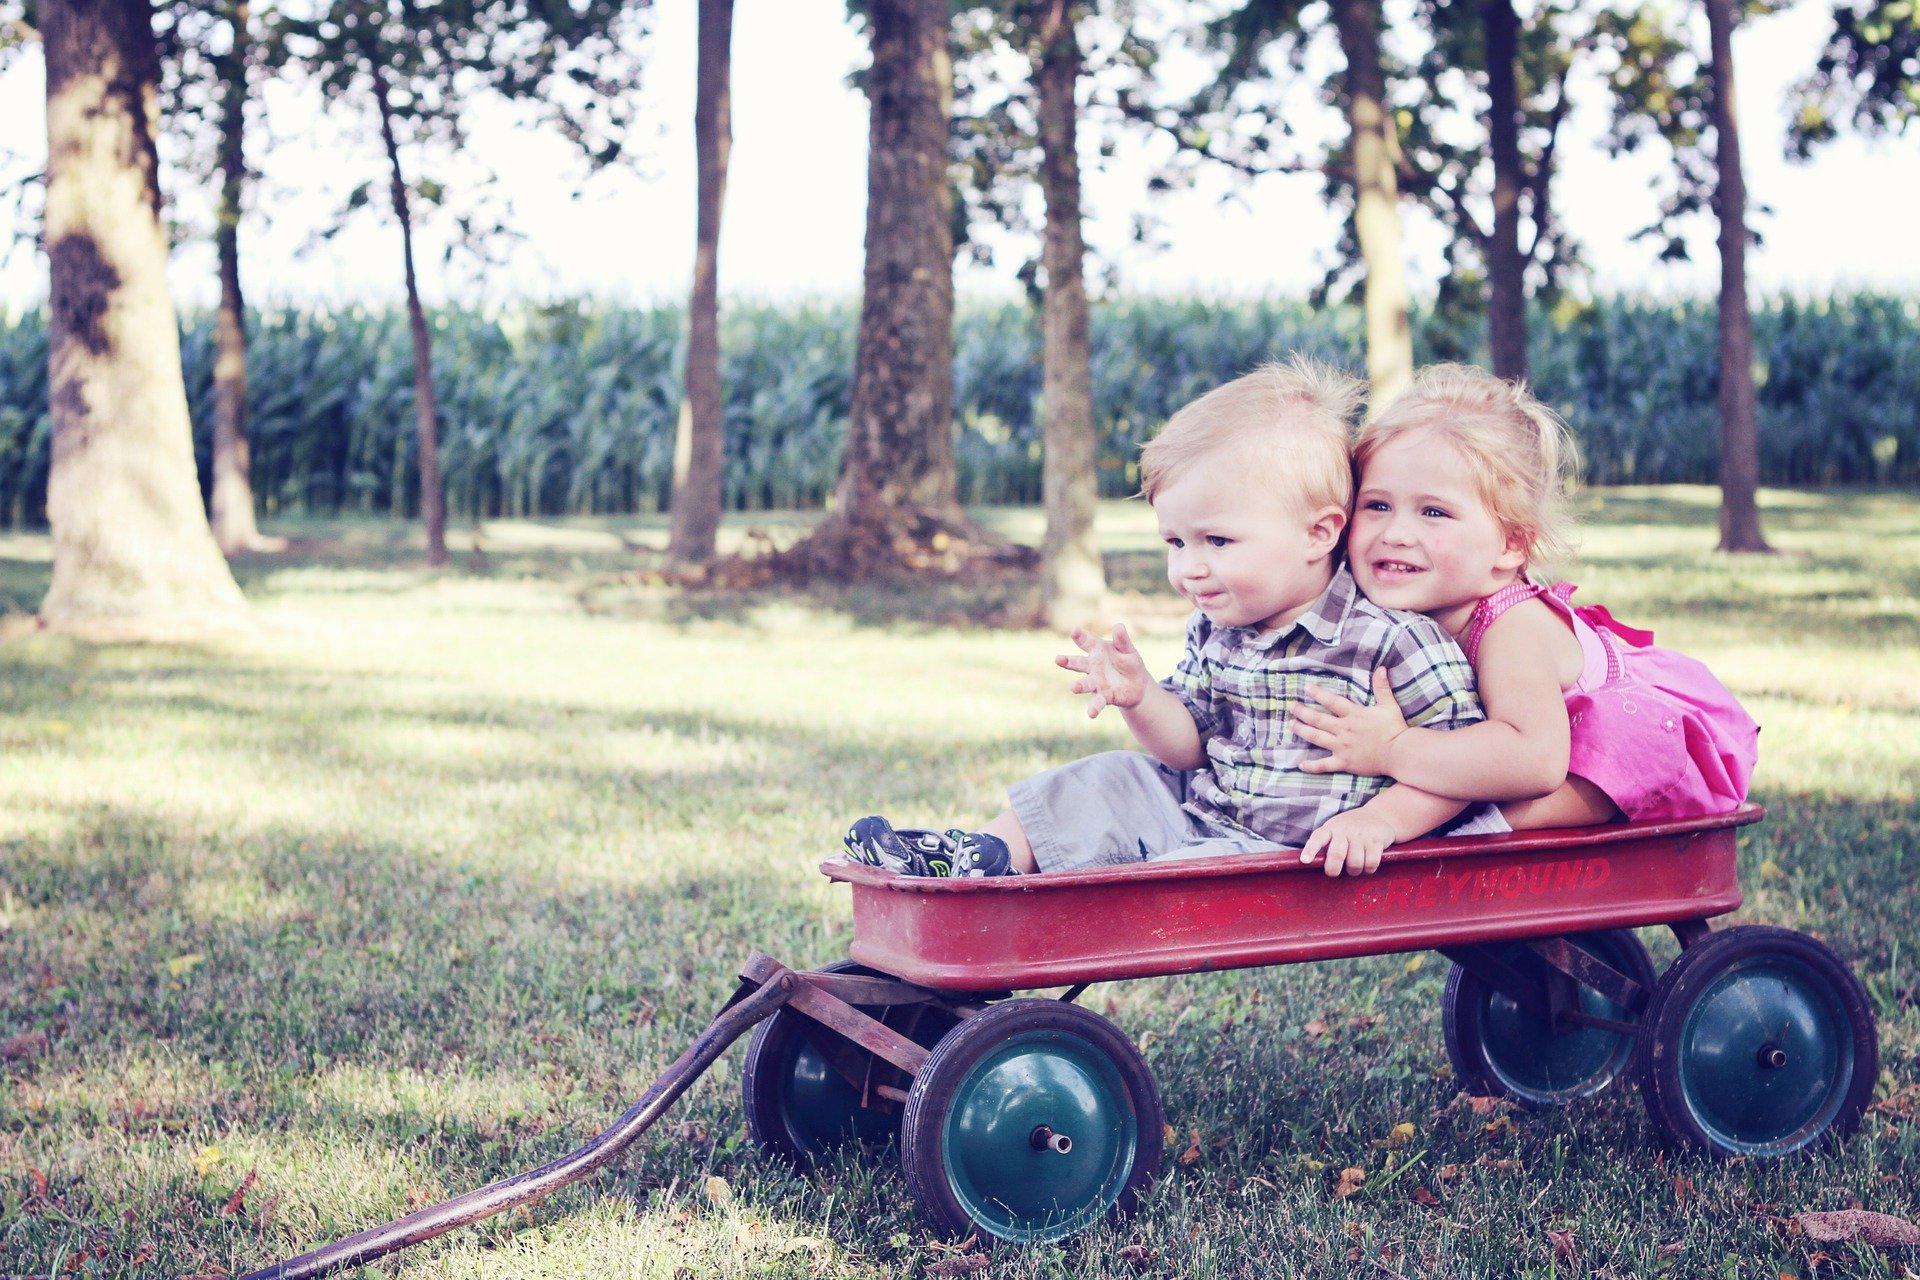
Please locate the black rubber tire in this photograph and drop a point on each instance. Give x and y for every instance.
(781, 1044)
(1759, 1042)
(1020, 1063)
(1471, 1011)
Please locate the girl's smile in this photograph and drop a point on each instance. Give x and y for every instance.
(1423, 538)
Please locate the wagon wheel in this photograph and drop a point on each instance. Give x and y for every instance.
(798, 1106)
(1500, 1048)
(1030, 1121)
(1758, 1042)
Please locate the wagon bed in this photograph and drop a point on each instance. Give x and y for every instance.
(1241, 910)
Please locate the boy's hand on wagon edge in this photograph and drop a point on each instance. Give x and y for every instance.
(1112, 672)
(1359, 738)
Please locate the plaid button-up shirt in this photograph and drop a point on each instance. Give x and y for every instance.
(1243, 688)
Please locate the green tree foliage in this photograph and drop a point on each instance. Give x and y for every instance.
(1867, 75)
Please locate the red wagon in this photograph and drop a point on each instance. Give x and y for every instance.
(1033, 1118)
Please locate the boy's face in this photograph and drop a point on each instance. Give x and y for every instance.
(1238, 549)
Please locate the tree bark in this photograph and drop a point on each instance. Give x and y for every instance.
(896, 504)
(132, 552)
(1506, 266)
(1376, 213)
(699, 451)
(1739, 429)
(1073, 582)
(230, 502)
(433, 502)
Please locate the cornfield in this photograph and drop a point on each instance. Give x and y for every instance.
(571, 409)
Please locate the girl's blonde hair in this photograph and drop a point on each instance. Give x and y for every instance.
(1522, 456)
(1292, 422)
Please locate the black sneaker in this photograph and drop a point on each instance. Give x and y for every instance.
(977, 855)
(874, 842)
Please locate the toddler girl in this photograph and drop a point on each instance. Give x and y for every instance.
(1461, 484)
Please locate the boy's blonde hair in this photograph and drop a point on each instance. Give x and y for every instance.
(1292, 422)
(1522, 456)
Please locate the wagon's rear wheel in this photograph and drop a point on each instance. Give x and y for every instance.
(1030, 1121)
(1500, 1048)
(1758, 1042)
(803, 1110)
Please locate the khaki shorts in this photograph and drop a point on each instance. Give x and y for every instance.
(1117, 809)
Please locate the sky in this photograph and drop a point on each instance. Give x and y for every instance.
(794, 217)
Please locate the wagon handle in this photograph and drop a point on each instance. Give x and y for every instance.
(743, 1010)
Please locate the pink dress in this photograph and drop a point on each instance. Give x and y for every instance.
(1650, 727)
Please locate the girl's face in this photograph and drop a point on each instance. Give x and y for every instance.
(1422, 538)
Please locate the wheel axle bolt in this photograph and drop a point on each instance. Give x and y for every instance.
(1045, 1139)
(1772, 1057)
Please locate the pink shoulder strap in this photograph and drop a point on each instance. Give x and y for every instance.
(1490, 609)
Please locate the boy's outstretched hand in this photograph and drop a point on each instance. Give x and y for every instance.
(1112, 673)
(1358, 736)
(1352, 842)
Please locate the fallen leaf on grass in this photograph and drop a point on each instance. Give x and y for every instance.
(1402, 1134)
(181, 966)
(1423, 1197)
(1481, 1105)
(961, 1265)
(812, 1244)
(1562, 1242)
(1881, 1230)
(718, 1191)
(1351, 1180)
(1138, 1256)
(1682, 1188)
(1192, 1153)
(237, 1202)
(205, 1160)
(1315, 1029)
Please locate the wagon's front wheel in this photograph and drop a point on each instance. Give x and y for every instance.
(1500, 1048)
(1031, 1120)
(799, 1106)
(1758, 1042)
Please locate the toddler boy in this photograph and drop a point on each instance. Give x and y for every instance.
(1251, 486)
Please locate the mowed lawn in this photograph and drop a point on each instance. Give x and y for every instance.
(423, 884)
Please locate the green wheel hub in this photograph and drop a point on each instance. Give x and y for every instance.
(1758, 1042)
(1003, 1136)
(822, 1111)
(1530, 1059)
(1030, 1120)
(1499, 1046)
(1765, 1054)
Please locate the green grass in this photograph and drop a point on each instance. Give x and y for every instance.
(424, 884)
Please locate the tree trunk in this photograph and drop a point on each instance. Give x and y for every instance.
(699, 450)
(1506, 268)
(231, 501)
(1739, 431)
(1073, 581)
(132, 553)
(433, 502)
(1376, 213)
(896, 505)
